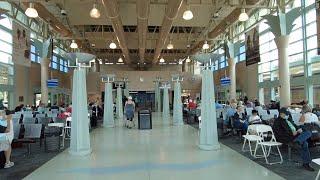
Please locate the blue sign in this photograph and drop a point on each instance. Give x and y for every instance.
(225, 81)
(52, 83)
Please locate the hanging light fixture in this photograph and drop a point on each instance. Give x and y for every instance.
(187, 15)
(31, 11)
(120, 60)
(95, 13)
(112, 45)
(243, 16)
(73, 44)
(162, 60)
(170, 45)
(188, 60)
(205, 45)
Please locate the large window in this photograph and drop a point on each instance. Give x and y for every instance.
(34, 54)
(59, 63)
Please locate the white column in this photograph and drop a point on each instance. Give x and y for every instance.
(261, 96)
(108, 118)
(119, 103)
(80, 139)
(166, 110)
(232, 74)
(284, 73)
(208, 129)
(44, 77)
(177, 105)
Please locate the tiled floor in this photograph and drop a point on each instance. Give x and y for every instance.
(165, 152)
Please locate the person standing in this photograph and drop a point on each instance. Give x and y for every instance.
(129, 112)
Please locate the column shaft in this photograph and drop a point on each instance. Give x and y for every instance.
(208, 131)
(284, 73)
(232, 74)
(80, 138)
(108, 119)
(177, 105)
(166, 111)
(44, 77)
(119, 103)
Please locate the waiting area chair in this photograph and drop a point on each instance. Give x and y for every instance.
(31, 134)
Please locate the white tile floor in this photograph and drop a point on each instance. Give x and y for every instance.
(164, 153)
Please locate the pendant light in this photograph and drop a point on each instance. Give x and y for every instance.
(188, 60)
(162, 60)
(120, 60)
(95, 13)
(243, 16)
(205, 45)
(31, 11)
(73, 44)
(170, 45)
(112, 45)
(187, 15)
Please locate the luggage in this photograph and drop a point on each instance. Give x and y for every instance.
(2, 160)
(52, 138)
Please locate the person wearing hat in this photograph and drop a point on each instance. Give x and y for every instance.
(287, 132)
(129, 111)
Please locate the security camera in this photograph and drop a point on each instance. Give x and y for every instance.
(63, 12)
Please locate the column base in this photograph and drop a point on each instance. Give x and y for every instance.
(207, 147)
(109, 126)
(82, 152)
(178, 124)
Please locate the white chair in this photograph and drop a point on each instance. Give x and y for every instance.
(40, 115)
(250, 136)
(274, 113)
(317, 161)
(263, 131)
(60, 125)
(296, 117)
(249, 111)
(67, 128)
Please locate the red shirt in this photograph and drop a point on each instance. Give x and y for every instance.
(192, 105)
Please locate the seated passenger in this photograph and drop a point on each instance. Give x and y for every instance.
(230, 111)
(240, 119)
(308, 116)
(192, 105)
(287, 132)
(254, 118)
(6, 132)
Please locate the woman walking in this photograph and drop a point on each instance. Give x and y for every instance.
(129, 112)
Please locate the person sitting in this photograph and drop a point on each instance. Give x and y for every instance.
(287, 132)
(230, 111)
(192, 105)
(254, 118)
(240, 119)
(218, 105)
(308, 116)
(6, 132)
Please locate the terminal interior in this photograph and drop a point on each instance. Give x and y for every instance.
(159, 89)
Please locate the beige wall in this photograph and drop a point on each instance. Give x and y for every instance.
(247, 78)
(28, 79)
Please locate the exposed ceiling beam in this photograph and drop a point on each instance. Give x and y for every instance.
(143, 9)
(112, 11)
(172, 10)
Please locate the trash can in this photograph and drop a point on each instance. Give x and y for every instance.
(52, 138)
(144, 119)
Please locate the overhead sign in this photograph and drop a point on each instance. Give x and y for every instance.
(225, 81)
(52, 83)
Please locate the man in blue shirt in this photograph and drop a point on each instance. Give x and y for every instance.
(230, 111)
